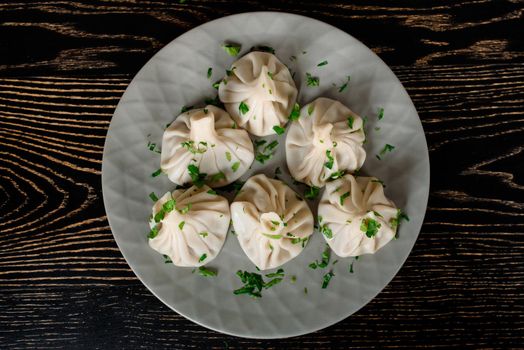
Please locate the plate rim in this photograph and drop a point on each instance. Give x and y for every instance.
(300, 332)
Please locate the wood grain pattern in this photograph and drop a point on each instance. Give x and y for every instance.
(63, 68)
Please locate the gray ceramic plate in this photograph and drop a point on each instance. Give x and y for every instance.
(176, 76)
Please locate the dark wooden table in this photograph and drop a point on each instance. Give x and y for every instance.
(64, 66)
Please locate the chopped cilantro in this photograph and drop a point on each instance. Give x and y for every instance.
(196, 176)
(326, 231)
(181, 225)
(323, 63)
(204, 271)
(200, 148)
(327, 279)
(272, 236)
(329, 163)
(167, 259)
(279, 130)
(156, 173)
(209, 72)
(310, 109)
(370, 227)
(214, 102)
(254, 282)
(345, 85)
(228, 156)
(203, 234)
(343, 198)
(387, 148)
(243, 108)
(153, 233)
(380, 114)
(351, 119)
(278, 273)
(232, 49)
(186, 209)
(305, 290)
(293, 279)
(311, 192)
(395, 222)
(295, 112)
(351, 267)
(311, 80)
(217, 177)
(153, 196)
(270, 75)
(337, 174)
(235, 166)
(216, 84)
(202, 257)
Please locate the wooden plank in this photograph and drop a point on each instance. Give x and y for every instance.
(93, 37)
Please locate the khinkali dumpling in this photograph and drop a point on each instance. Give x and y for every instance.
(355, 216)
(189, 226)
(208, 139)
(324, 142)
(272, 222)
(259, 93)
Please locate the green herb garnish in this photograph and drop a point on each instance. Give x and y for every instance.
(278, 273)
(156, 173)
(200, 148)
(203, 271)
(202, 257)
(311, 80)
(272, 236)
(279, 130)
(337, 174)
(343, 197)
(153, 232)
(327, 279)
(203, 234)
(235, 166)
(197, 177)
(209, 72)
(243, 108)
(254, 283)
(370, 227)
(345, 85)
(329, 163)
(186, 209)
(310, 109)
(167, 259)
(153, 196)
(395, 222)
(270, 75)
(232, 49)
(228, 156)
(326, 255)
(323, 63)
(380, 114)
(295, 112)
(351, 119)
(387, 148)
(311, 192)
(217, 177)
(181, 225)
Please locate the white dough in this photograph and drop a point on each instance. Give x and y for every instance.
(272, 222)
(263, 83)
(362, 199)
(324, 129)
(207, 138)
(205, 217)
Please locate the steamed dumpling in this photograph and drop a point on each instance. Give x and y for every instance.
(190, 226)
(324, 142)
(272, 222)
(259, 93)
(208, 139)
(355, 216)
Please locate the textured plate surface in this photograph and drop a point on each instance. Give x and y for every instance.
(176, 76)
